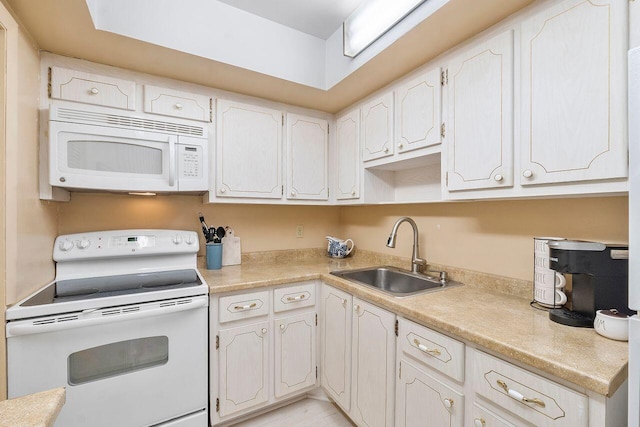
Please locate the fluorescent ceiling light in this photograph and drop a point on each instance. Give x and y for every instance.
(371, 20)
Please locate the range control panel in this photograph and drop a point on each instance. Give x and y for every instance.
(124, 243)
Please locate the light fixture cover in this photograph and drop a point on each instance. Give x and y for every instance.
(371, 20)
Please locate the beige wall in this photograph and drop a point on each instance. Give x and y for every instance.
(492, 237)
(31, 223)
(260, 227)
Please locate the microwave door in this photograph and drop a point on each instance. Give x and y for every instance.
(120, 160)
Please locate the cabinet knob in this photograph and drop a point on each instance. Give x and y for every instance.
(94, 91)
(498, 177)
(400, 145)
(386, 149)
(479, 422)
(356, 307)
(527, 173)
(282, 327)
(223, 190)
(178, 106)
(264, 331)
(344, 302)
(353, 193)
(293, 193)
(448, 403)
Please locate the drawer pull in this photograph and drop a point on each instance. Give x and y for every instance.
(479, 422)
(424, 349)
(298, 298)
(516, 395)
(178, 106)
(94, 91)
(245, 307)
(448, 403)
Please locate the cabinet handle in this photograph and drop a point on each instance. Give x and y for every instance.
(94, 91)
(298, 298)
(386, 149)
(498, 177)
(282, 327)
(223, 190)
(264, 331)
(448, 403)
(245, 307)
(400, 145)
(353, 193)
(178, 106)
(479, 422)
(356, 307)
(518, 396)
(527, 173)
(293, 193)
(424, 349)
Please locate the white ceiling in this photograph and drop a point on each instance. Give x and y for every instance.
(318, 18)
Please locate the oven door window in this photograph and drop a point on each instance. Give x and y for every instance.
(119, 358)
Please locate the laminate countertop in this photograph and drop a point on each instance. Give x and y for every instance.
(502, 323)
(34, 410)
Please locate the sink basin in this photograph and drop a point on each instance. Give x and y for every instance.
(394, 281)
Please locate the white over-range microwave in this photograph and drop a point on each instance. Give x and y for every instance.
(97, 148)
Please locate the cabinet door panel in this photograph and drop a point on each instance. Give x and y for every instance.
(348, 156)
(377, 128)
(336, 345)
(243, 367)
(574, 92)
(479, 128)
(249, 151)
(307, 158)
(373, 365)
(295, 353)
(423, 400)
(418, 112)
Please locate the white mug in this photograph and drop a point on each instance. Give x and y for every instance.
(550, 297)
(547, 278)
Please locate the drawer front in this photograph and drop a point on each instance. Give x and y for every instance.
(244, 306)
(293, 297)
(432, 348)
(538, 400)
(87, 88)
(482, 417)
(174, 103)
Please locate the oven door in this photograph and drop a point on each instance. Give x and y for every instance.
(134, 365)
(105, 158)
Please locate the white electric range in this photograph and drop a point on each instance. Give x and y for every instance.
(123, 327)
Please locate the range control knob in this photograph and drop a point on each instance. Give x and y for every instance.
(65, 245)
(190, 239)
(177, 239)
(83, 244)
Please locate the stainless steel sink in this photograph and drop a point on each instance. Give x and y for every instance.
(394, 281)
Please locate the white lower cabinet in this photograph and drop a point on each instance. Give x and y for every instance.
(295, 353)
(431, 371)
(423, 400)
(358, 357)
(373, 365)
(261, 353)
(244, 367)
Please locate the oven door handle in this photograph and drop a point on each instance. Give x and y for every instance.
(102, 316)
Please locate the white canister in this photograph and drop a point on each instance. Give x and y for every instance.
(611, 324)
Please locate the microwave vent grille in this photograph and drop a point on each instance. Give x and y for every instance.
(109, 119)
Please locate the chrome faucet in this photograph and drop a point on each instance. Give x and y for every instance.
(417, 263)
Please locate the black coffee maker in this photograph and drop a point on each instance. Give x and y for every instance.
(599, 279)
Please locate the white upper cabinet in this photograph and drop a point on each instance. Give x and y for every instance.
(479, 127)
(307, 158)
(177, 103)
(377, 127)
(418, 112)
(574, 92)
(248, 151)
(348, 165)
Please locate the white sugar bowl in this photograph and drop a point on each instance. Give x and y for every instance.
(612, 324)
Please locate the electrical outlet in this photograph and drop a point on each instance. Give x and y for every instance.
(299, 231)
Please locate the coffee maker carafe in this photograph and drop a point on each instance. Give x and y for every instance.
(599, 279)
